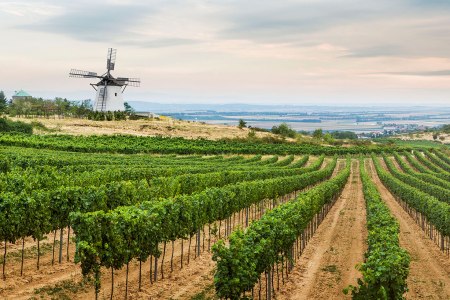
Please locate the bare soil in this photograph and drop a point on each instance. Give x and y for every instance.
(328, 264)
(22, 287)
(429, 274)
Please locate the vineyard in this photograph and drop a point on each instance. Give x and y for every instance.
(121, 217)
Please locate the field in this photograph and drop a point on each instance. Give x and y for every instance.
(116, 217)
(156, 127)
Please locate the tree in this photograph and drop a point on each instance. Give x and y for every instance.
(128, 108)
(242, 124)
(344, 135)
(318, 133)
(284, 130)
(3, 101)
(328, 138)
(446, 128)
(435, 135)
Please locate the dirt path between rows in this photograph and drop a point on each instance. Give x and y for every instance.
(429, 274)
(328, 263)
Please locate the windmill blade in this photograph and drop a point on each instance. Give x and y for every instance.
(111, 59)
(82, 74)
(136, 82)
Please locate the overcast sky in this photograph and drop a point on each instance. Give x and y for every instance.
(228, 51)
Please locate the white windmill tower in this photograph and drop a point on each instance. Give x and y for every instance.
(109, 89)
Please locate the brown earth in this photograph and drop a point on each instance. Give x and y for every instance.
(429, 274)
(328, 263)
(48, 273)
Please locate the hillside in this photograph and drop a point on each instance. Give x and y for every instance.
(151, 127)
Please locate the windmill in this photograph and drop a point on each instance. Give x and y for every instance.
(109, 89)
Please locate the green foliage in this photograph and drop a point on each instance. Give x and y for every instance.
(15, 126)
(5, 164)
(107, 116)
(284, 130)
(438, 192)
(350, 135)
(386, 264)
(114, 237)
(425, 161)
(3, 102)
(446, 128)
(442, 164)
(328, 138)
(271, 238)
(242, 124)
(128, 108)
(414, 144)
(127, 144)
(259, 129)
(122, 206)
(41, 107)
(436, 212)
(443, 180)
(38, 125)
(318, 134)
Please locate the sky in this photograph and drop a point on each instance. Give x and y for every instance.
(304, 52)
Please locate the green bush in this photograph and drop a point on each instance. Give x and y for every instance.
(284, 130)
(344, 135)
(15, 126)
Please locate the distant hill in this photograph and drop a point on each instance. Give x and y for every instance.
(240, 107)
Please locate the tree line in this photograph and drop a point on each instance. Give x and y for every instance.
(40, 107)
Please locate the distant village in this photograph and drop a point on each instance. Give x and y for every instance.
(393, 129)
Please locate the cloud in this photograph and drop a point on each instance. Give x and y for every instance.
(146, 42)
(430, 3)
(125, 23)
(437, 73)
(294, 20)
(25, 9)
(378, 51)
(93, 23)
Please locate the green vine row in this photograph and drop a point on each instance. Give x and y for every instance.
(436, 212)
(113, 238)
(266, 241)
(386, 265)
